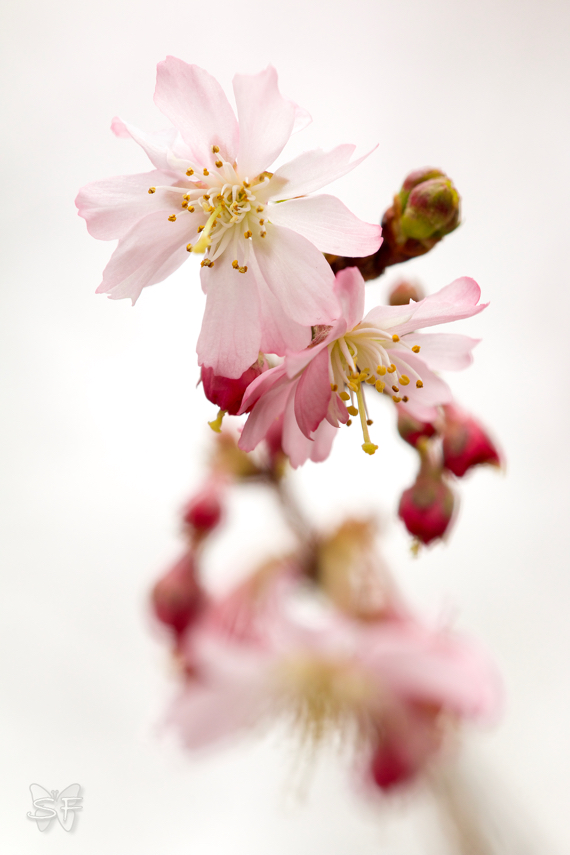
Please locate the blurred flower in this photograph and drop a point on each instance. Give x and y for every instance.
(466, 443)
(404, 292)
(412, 430)
(203, 513)
(327, 674)
(313, 387)
(263, 270)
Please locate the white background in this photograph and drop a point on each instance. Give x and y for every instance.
(103, 433)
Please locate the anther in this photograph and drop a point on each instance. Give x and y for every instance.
(205, 171)
(259, 209)
(419, 384)
(243, 269)
(379, 386)
(352, 410)
(184, 204)
(395, 337)
(334, 387)
(369, 422)
(172, 218)
(189, 172)
(416, 348)
(235, 264)
(206, 196)
(404, 379)
(248, 234)
(189, 247)
(219, 164)
(345, 396)
(215, 149)
(371, 380)
(349, 422)
(396, 399)
(262, 234)
(391, 369)
(206, 263)
(191, 208)
(405, 399)
(395, 389)
(381, 370)
(261, 222)
(200, 229)
(353, 386)
(152, 189)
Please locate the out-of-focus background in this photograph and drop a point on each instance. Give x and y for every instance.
(104, 434)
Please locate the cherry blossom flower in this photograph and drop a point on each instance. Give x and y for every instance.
(211, 193)
(321, 387)
(324, 672)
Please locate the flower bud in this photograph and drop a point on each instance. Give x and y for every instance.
(227, 393)
(429, 205)
(465, 443)
(204, 512)
(176, 597)
(426, 508)
(411, 430)
(403, 292)
(390, 766)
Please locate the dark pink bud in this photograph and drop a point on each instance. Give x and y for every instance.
(225, 393)
(411, 430)
(177, 596)
(403, 292)
(426, 508)
(204, 512)
(391, 766)
(465, 443)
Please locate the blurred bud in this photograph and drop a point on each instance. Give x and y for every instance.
(426, 508)
(390, 766)
(204, 511)
(403, 292)
(227, 393)
(176, 597)
(465, 443)
(229, 460)
(407, 745)
(411, 430)
(429, 205)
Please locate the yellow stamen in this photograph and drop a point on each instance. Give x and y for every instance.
(191, 208)
(404, 379)
(248, 234)
(369, 422)
(381, 370)
(345, 396)
(215, 149)
(152, 189)
(371, 380)
(219, 164)
(334, 387)
(205, 241)
(189, 172)
(395, 389)
(216, 424)
(172, 218)
(419, 384)
(395, 337)
(189, 247)
(259, 209)
(243, 269)
(349, 422)
(206, 171)
(369, 447)
(405, 399)
(396, 399)
(184, 204)
(235, 264)
(352, 410)
(379, 386)
(391, 369)
(416, 348)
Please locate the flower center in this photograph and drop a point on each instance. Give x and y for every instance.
(375, 357)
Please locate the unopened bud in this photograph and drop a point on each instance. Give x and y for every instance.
(390, 766)
(429, 205)
(177, 596)
(204, 512)
(403, 292)
(465, 443)
(227, 393)
(411, 430)
(426, 508)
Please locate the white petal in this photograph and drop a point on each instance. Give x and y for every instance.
(312, 170)
(444, 351)
(327, 223)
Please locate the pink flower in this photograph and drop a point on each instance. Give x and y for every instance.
(466, 443)
(325, 674)
(263, 270)
(313, 387)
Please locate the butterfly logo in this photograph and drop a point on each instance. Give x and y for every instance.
(51, 804)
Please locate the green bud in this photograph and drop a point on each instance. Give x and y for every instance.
(429, 205)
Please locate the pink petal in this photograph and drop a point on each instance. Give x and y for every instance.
(454, 302)
(279, 333)
(152, 250)
(298, 276)
(312, 170)
(323, 439)
(328, 224)
(444, 351)
(349, 288)
(231, 332)
(302, 118)
(313, 394)
(266, 120)
(298, 448)
(434, 392)
(195, 103)
(267, 409)
(111, 207)
(156, 145)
